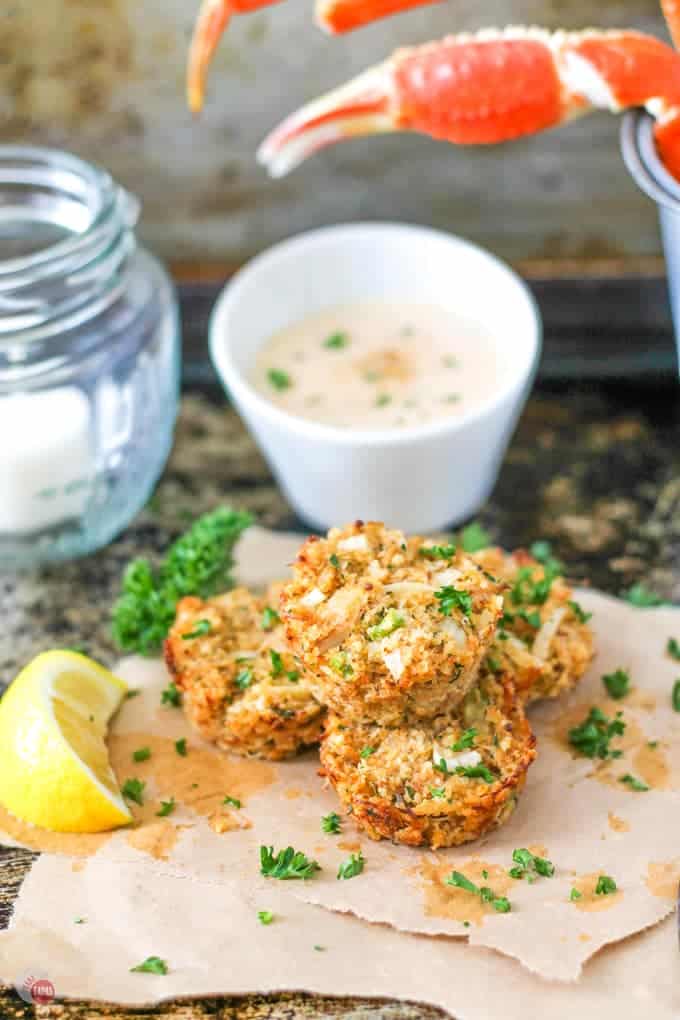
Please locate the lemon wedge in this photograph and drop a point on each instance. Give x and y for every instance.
(54, 763)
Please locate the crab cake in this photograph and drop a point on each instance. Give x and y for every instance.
(388, 628)
(241, 687)
(438, 783)
(543, 640)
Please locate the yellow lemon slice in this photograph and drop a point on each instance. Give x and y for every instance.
(54, 764)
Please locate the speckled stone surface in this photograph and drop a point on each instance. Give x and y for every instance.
(595, 470)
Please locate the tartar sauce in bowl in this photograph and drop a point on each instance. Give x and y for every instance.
(379, 364)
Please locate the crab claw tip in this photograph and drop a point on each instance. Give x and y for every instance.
(359, 108)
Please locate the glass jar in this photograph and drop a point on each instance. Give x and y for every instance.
(89, 358)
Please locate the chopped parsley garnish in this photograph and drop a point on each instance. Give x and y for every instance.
(641, 597)
(542, 551)
(575, 894)
(617, 684)
(286, 864)
(133, 789)
(340, 663)
(198, 563)
(181, 747)
(277, 662)
(134, 692)
(166, 808)
(465, 741)
(232, 802)
(438, 552)
(243, 679)
(279, 379)
(334, 561)
(200, 629)
(474, 537)
(593, 736)
(486, 895)
(391, 621)
(336, 341)
(675, 696)
(605, 886)
(634, 783)
(533, 618)
(441, 766)
(493, 664)
(319, 949)
(141, 754)
(79, 920)
(452, 598)
(366, 752)
(383, 399)
(673, 649)
(352, 867)
(529, 866)
(171, 695)
(528, 591)
(270, 618)
(331, 823)
(652, 744)
(578, 612)
(438, 792)
(265, 916)
(152, 965)
(476, 772)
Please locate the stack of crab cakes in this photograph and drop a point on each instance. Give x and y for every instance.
(241, 687)
(392, 633)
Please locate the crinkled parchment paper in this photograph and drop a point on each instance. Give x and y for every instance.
(188, 887)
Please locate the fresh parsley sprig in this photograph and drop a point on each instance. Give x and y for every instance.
(351, 867)
(592, 738)
(198, 563)
(152, 965)
(529, 866)
(486, 895)
(286, 864)
(617, 684)
(331, 823)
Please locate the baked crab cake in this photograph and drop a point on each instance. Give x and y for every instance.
(543, 640)
(438, 783)
(388, 628)
(241, 687)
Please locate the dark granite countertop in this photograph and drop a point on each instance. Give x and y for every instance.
(593, 468)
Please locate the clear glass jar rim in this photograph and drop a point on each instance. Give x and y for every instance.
(45, 287)
(99, 194)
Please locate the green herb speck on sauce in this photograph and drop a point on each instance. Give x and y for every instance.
(279, 380)
(336, 341)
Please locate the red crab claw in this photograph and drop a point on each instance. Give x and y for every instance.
(336, 16)
(213, 18)
(490, 87)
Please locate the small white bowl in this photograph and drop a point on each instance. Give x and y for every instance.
(420, 479)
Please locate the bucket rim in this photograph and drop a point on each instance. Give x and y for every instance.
(642, 161)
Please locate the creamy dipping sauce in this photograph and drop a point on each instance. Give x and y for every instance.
(379, 365)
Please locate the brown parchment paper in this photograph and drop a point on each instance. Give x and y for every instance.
(194, 878)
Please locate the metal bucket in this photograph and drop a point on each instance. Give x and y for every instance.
(641, 158)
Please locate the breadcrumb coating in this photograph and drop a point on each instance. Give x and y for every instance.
(388, 629)
(543, 642)
(438, 783)
(241, 686)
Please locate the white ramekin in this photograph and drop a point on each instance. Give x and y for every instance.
(420, 479)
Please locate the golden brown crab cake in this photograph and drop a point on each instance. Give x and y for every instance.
(438, 783)
(240, 685)
(543, 641)
(388, 628)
